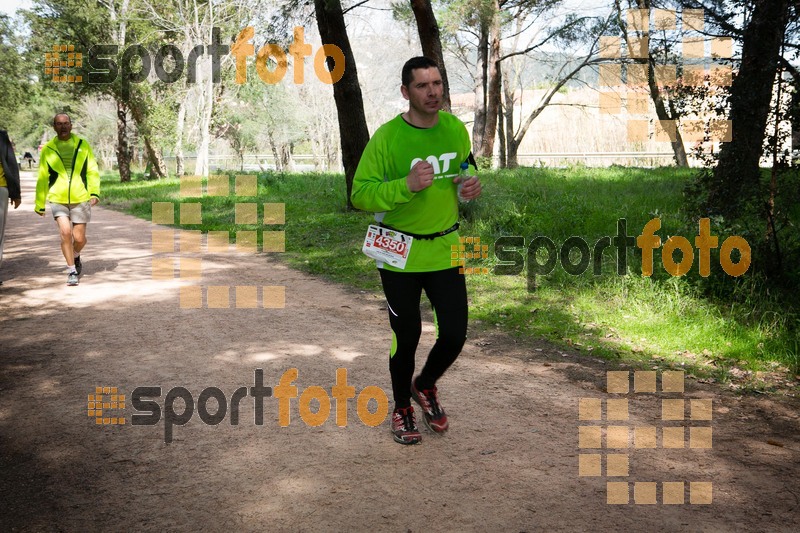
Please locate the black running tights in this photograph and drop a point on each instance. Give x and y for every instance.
(447, 292)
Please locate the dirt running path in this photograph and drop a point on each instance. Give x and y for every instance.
(509, 463)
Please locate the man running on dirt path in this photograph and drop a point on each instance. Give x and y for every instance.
(70, 181)
(409, 175)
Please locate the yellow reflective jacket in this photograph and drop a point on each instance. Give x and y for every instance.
(55, 184)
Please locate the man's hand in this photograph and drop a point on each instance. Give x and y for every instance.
(15, 202)
(94, 201)
(420, 177)
(471, 188)
(40, 214)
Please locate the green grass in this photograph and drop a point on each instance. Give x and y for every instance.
(646, 321)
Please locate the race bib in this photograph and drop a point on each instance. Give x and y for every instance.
(387, 245)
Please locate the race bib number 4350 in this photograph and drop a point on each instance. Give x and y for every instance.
(387, 245)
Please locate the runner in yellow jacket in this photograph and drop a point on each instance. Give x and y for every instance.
(70, 181)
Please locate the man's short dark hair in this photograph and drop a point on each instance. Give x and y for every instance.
(58, 115)
(413, 64)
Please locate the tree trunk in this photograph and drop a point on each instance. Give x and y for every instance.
(479, 124)
(353, 132)
(286, 157)
(179, 129)
(501, 138)
(511, 143)
(206, 89)
(205, 86)
(275, 155)
(159, 169)
(737, 177)
(494, 87)
(774, 267)
(662, 112)
(431, 42)
(795, 114)
(123, 147)
(331, 157)
(133, 148)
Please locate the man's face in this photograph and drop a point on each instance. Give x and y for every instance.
(424, 93)
(63, 127)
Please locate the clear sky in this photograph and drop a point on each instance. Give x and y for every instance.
(10, 6)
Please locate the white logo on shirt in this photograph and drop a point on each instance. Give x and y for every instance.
(434, 162)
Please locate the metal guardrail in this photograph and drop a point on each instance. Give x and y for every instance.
(310, 161)
(300, 162)
(598, 158)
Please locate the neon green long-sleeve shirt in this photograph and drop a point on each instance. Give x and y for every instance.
(55, 183)
(380, 185)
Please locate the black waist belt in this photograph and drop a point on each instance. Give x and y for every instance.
(429, 236)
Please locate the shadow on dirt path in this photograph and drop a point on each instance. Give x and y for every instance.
(509, 463)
